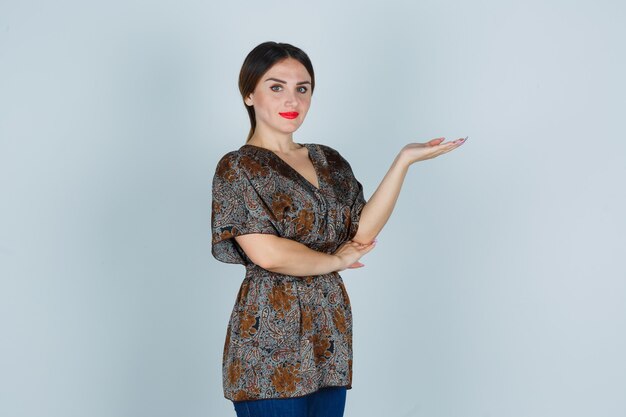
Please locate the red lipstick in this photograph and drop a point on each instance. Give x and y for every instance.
(290, 114)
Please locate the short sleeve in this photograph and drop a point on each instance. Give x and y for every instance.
(237, 209)
(348, 186)
(356, 209)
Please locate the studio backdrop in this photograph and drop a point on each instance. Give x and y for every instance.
(497, 288)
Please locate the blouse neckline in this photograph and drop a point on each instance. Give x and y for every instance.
(310, 156)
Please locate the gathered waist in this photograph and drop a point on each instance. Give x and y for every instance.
(254, 271)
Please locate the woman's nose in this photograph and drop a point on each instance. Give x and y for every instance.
(291, 99)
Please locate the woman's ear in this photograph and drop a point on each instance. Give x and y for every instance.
(248, 100)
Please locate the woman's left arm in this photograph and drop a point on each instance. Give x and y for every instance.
(380, 205)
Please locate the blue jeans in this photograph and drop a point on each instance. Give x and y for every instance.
(325, 402)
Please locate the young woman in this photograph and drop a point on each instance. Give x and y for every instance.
(294, 215)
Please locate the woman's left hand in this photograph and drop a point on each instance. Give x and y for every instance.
(414, 152)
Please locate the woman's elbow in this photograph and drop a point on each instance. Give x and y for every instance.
(363, 236)
(265, 263)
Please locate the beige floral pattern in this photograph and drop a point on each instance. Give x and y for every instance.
(287, 336)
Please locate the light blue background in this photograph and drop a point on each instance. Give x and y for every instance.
(498, 287)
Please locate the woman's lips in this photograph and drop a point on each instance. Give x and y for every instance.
(290, 114)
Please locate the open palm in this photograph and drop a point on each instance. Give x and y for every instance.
(415, 152)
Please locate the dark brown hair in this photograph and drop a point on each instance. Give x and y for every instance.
(259, 61)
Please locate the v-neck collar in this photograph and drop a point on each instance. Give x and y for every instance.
(310, 156)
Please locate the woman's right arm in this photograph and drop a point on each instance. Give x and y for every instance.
(289, 257)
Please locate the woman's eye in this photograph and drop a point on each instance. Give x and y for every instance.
(302, 90)
(276, 88)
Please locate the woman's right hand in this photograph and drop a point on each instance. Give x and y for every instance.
(350, 252)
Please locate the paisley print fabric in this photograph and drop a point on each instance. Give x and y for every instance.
(287, 336)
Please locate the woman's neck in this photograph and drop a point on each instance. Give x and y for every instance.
(273, 142)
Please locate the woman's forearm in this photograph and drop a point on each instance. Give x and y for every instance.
(287, 256)
(380, 205)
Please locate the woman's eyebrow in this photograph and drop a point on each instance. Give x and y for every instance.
(285, 82)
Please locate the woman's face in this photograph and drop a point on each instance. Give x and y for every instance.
(282, 97)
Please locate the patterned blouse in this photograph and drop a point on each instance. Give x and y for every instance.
(287, 336)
